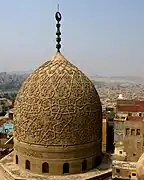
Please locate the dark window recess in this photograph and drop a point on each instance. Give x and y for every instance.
(138, 132)
(16, 159)
(132, 131)
(66, 168)
(27, 164)
(133, 174)
(45, 167)
(120, 152)
(127, 131)
(129, 114)
(84, 165)
(118, 170)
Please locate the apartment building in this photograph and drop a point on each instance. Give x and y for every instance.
(128, 137)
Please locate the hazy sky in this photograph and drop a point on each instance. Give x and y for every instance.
(104, 37)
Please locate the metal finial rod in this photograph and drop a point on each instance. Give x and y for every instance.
(58, 33)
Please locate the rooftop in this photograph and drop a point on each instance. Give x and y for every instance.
(124, 164)
(130, 105)
(135, 118)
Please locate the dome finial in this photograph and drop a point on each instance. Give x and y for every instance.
(58, 33)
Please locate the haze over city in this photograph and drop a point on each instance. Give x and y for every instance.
(100, 37)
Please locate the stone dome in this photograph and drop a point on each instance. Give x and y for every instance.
(57, 105)
(57, 120)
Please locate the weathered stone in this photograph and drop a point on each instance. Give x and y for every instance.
(57, 119)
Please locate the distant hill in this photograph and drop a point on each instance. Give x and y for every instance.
(11, 81)
(119, 79)
(20, 72)
(135, 79)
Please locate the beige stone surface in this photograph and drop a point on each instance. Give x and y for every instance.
(133, 144)
(56, 157)
(58, 120)
(10, 171)
(57, 105)
(140, 168)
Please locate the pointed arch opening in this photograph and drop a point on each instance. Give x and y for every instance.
(27, 164)
(45, 167)
(84, 165)
(16, 159)
(65, 168)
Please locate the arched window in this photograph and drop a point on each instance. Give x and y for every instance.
(27, 165)
(66, 168)
(45, 167)
(16, 159)
(84, 165)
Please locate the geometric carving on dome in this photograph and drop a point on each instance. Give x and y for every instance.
(57, 105)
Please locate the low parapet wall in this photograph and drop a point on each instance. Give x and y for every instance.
(103, 176)
(6, 175)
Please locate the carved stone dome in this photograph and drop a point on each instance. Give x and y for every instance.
(57, 105)
(57, 120)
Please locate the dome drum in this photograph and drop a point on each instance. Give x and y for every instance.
(55, 166)
(56, 157)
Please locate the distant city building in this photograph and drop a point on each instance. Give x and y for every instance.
(128, 137)
(120, 96)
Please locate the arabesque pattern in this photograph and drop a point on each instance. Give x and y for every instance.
(57, 105)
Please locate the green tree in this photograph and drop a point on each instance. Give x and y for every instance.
(4, 110)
